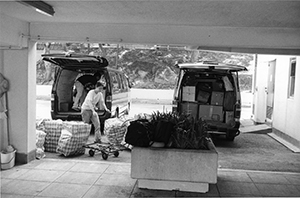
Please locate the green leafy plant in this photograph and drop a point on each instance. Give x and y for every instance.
(187, 132)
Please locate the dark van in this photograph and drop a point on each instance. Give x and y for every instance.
(69, 68)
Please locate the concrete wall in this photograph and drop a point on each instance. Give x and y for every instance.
(19, 68)
(286, 112)
(12, 31)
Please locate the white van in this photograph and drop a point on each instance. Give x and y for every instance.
(210, 91)
(69, 68)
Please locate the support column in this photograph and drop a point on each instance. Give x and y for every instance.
(20, 70)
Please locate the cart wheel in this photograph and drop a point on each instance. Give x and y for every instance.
(91, 152)
(116, 153)
(104, 156)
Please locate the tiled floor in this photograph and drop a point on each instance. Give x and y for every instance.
(78, 178)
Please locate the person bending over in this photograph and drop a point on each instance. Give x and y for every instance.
(89, 107)
(83, 84)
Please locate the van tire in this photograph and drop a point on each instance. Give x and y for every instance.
(126, 112)
(231, 134)
(117, 113)
(230, 138)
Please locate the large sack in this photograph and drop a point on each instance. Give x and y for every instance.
(53, 131)
(39, 141)
(115, 129)
(74, 136)
(138, 133)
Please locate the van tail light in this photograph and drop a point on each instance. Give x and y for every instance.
(174, 106)
(109, 99)
(52, 102)
(109, 102)
(237, 110)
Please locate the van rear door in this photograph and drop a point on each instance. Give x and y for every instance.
(76, 61)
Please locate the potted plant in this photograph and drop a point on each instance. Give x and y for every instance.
(188, 161)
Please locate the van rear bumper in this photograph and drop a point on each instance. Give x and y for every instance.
(75, 116)
(223, 128)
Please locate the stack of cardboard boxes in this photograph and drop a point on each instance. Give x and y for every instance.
(209, 101)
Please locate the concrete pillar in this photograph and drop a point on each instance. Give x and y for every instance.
(20, 69)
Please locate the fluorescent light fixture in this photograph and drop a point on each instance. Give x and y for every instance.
(40, 6)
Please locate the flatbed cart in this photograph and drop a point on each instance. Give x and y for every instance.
(115, 136)
(106, 149)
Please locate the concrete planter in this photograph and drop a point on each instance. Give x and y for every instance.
(175, 169)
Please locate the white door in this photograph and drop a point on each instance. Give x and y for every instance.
(270, 90)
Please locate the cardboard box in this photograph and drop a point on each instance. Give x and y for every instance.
(210, 112)
(217, 98)
(229, 117)
(188, 93)
(64, 106)
(190, 108)
(203, 96)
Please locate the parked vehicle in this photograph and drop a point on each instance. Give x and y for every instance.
(69, 68)
(210, 91)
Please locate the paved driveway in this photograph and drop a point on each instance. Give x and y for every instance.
(256, 151)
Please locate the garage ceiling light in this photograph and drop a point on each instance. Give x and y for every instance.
(40, 6)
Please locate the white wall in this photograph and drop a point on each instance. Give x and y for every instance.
(286, 110)
(11, 30)
(235, 37)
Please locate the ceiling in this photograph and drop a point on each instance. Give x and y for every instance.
(271, 15)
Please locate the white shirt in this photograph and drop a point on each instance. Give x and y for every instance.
(91, 100)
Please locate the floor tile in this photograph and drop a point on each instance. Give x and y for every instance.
(30, 165)
(89, 167)
(293, 179)
(108, 191)
(241, 188)
(65, 190)
(138, 192)
(298, 187)
(233, 176)
(5, 181)
(213, 192)
(22, 187)
(41, 175)
(270, 178)
(278, 190)
(78, 178)
(16, 196)
(13, 173)
(120, 169)
(56, 165)
(115, 180)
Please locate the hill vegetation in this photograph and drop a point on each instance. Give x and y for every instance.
(149, 67)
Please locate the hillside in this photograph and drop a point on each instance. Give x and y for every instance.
(148, 67)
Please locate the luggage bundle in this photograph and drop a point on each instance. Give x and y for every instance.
(74, 136)
(53, 130)
(115, 129)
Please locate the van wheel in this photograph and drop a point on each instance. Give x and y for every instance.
(117, 113)
(126, 112)
(230, 138)
(231, 134)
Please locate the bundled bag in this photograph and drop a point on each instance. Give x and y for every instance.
(53, 130)
(163, 131)
(115, 130)
(39, 141)
(138, 133)
(74, 136)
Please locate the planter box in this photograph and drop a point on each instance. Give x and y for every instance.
(174, 169)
